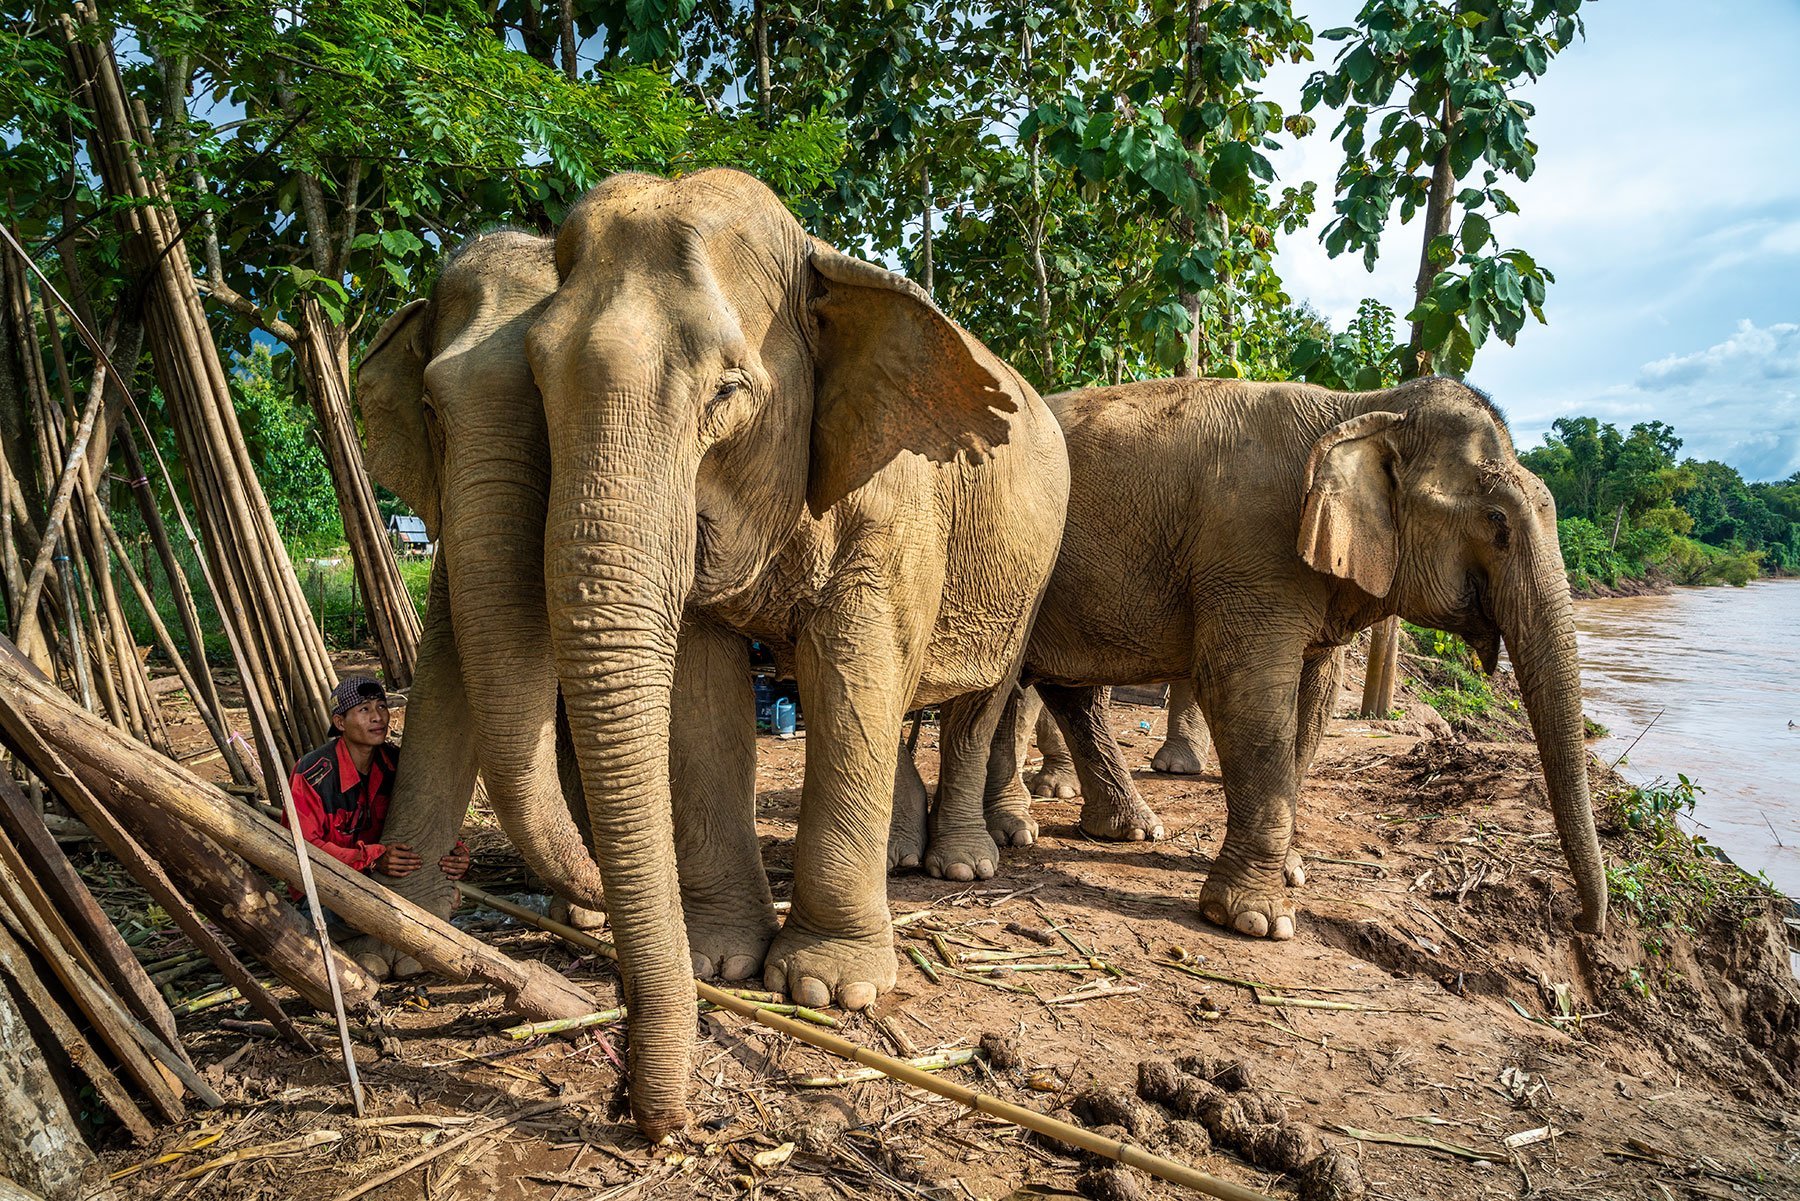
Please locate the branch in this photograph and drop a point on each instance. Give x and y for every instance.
(244, 307)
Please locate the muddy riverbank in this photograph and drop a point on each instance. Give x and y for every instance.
(1435, 992)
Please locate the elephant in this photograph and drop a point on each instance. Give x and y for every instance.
(1305, 516)
(455, 428)
(758, 436)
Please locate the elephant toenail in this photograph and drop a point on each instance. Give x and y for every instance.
(703, 966)
(909, 861)
(1136, 834)
(959, 872)
(856, 996)
(1253, 924)
(812, 993)
(739, 967)
(1284, 928)
(1156, 834)
(984, 868)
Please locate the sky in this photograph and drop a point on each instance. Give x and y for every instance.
(1666, 202)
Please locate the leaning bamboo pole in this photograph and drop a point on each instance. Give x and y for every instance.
(283, 658)
(392, 618)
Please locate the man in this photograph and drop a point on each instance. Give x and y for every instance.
(341, 790)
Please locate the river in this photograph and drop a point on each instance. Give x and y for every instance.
(1710, 674)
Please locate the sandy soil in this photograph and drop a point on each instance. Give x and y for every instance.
(1435, 923)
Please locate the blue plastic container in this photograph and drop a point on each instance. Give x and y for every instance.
(784, 717)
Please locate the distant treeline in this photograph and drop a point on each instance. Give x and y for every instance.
(1629, 510)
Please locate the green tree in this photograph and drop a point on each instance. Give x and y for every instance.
(1427, 92)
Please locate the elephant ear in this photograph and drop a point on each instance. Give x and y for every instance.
(1347, 526)
(390, 390)
(891, 373)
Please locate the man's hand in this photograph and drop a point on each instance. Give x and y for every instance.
(399, 860)
(455, 865)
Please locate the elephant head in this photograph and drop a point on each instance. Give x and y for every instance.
(455, 427)
(710, 375)
(1422, 503)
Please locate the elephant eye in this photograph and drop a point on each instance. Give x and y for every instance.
(1502, 535)
(727, 389)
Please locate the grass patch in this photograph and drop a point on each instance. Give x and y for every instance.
(1670, 881)
(1448, 677)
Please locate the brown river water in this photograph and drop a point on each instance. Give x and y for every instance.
(1710, 677)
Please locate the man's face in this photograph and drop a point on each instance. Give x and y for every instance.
(365, 725)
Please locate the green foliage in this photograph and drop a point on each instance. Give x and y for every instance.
(1668, 880)
(1425, 87)
(284, 448)
(1451, 681)
(1361, 359)
(1628, 508)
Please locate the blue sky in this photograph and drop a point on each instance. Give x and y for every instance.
(1667, 203)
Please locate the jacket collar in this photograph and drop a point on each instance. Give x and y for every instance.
(348, 776)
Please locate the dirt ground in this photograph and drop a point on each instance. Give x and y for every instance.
(1435, 994)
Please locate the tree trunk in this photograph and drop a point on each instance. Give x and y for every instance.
(1378, 688)
(1618, 520)
(1040, 275)
(1437, 223)
(764, 95)
(925, 214)
(1193, 355)
(566, 31)
(41, 1148)
(325, 363)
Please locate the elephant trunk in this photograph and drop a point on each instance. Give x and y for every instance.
(619, 561)
(1538, 623)
(494, 523)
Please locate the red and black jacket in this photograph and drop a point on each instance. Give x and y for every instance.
(341, 810)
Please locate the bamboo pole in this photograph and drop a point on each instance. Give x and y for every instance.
(896, 1069)
(1382, 648)
(127, 782)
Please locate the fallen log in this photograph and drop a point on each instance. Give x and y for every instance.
(128, 781)
(235, 897)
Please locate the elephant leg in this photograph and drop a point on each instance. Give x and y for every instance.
(961, 847)
(837, 943)
(436, 780)
(1110, 807)
(1318, 687)
(1253, 701)
(1005, 804)
(1184, 750)
(912, 807)
(712, 779)
(1056, 775)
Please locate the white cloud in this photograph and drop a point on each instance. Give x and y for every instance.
(1737, 400)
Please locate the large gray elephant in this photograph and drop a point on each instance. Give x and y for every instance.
(1305, 516)
(455, 427)
(756, 432)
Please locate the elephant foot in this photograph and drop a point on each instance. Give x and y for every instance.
(1251, 907)
(1009, 821)
(406, 967)
(1178, 757)
(962, 855)
(816, 969)
(908, 825)
(373, 956)
(578, 916)
(732, 946)
(1122, 819)
(1056, 780)
(1294, 870)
